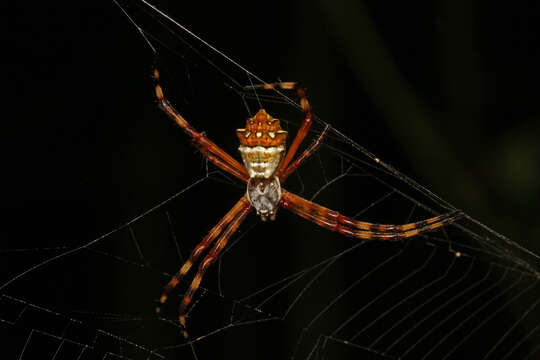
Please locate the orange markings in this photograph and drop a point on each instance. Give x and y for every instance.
(182, 319)
(262, 130)
(159, 92)
(183, 123)
(334, 221)
(196, 282)
(240, 211)
(186, 300)
(284, 85)
(287, 85)
(185, 268)
(433, 219)
(361, 234)
(173, 282)
(411, 233)
(163, 298)
(436, 225)
(407, 226)
(305, 104)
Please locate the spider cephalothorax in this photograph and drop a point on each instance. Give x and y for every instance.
(262, 145)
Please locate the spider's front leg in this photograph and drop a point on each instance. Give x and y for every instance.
(204, 144)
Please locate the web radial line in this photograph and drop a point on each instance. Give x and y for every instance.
(471, 300)
(315, 348)
(329, 183)
(374, 203)
(390, 288)
(478, 310)
(354, 284)
(533, 351)
(82, 352)
(173, 237)
(330, 263)
(327, 263)
(511, 328)
(98, 239)
(482, 323)
(396, 305)
(467, 290)
(26, 344)
(214, 49)
(458, 281)
(518, 344)
(373, 351)
(298, 275)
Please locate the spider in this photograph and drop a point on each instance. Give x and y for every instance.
(266, 166)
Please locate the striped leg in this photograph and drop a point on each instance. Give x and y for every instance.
(223, 165)
(306, 125)
(209, 259)
(207, 241)
(199, 138)
(333, 220)
(299, 160)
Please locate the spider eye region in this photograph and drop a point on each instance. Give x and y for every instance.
(264, 196)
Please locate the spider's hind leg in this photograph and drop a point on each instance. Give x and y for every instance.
(199, 249)
(244, 209)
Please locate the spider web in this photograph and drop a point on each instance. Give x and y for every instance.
(286, 289)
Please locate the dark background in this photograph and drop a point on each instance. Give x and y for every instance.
(446, 91)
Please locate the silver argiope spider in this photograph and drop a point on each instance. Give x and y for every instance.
(266, 167)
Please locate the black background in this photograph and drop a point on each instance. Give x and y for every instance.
(447, 91)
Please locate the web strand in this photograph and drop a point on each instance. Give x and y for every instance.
(288, 289)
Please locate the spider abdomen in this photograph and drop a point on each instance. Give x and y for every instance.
(261, 161)
(264, 196)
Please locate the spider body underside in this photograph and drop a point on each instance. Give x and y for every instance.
(266, 166)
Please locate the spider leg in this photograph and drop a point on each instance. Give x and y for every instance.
(333, 220)
(306, 125)
(199, 138)
(306, 154)
(207, 241)
(244, 210)
(223, 165)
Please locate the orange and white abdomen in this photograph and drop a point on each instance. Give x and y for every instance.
(260, 161)
(262, 146)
